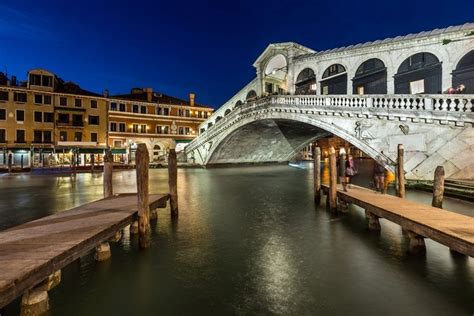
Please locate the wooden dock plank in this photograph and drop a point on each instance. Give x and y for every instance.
(29, 253)
(454, 230)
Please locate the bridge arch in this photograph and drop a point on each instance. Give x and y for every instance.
(305, 82)
(370, 77)
(251, 95)
(334, 80)
(237, 104)
(284, 134)
(419, 73)
(464, 72)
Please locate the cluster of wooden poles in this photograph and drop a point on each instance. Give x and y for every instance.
(331, 201)
(334, 205)
(141, 226)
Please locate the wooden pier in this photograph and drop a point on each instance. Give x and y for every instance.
(31, 252)
(453, 230)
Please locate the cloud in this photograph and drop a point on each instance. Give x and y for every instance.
(20, 24)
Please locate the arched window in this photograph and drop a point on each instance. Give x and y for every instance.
(334, 80)
(251, 95)
(306, 82)
(238, 103)
(227, 112)
(419, 73)
(218, 118)
(370, 78)
(464, 73)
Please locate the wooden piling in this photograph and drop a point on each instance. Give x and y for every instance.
(92, 162)
(317, 175)
(438, 187)
(108, 169)
(142, 161)
(332, 196)
(401, 171)
(173, 181)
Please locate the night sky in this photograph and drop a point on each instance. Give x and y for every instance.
(206, 47)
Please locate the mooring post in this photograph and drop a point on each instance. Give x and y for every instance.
(142, 162)
(92, 162)
(317, 174)
(438, 187)
(332, 180)
(108, 168)
(401, 171)
(173, 180)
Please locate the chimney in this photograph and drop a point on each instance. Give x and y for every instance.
(149, 94)
(105, 93)
(13, 81)
(192, 96)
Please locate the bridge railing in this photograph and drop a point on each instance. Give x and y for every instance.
(458, 109)
(449, 103)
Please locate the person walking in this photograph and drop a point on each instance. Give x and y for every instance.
(379, 175)
(350, 171)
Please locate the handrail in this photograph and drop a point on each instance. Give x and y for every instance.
(460, 107)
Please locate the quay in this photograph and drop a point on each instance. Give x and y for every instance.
(453, 230)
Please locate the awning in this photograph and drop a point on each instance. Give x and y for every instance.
(183, 140)
(91, 150)
(119, 151)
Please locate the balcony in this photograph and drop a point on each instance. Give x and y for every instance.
(70, 124)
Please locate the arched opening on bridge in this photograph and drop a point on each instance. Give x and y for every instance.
(237, 104)
(227, 112)
(419, 73)
(464, 73)
(370, 78)
(274, 80)
(251, 96)
(218, 118)
(158, 153)
(334, 80)
(306, 82)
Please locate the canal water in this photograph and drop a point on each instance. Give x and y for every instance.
(248, 241)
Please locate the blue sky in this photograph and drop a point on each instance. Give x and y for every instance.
(206, 47)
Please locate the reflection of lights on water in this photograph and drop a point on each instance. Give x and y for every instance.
(277, 281)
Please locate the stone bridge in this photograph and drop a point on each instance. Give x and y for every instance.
(434, 129)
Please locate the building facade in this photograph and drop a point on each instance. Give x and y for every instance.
(152, 118)
(47, 122)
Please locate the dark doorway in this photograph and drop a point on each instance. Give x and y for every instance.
(306, 82)
(334, 80)
(419, 73)
(464, 73)
(370, 78)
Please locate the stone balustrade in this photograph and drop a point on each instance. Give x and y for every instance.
(455, 110)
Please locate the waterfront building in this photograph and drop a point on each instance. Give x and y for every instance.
(45, 121)
(153, 118)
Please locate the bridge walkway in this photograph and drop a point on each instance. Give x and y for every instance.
(30, 252)
(453, 230)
